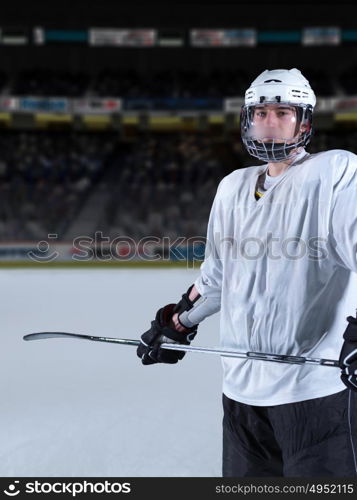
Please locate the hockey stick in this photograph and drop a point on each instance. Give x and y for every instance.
(230, 353)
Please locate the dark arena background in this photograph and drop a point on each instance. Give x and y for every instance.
(117, 123)
(121, 120)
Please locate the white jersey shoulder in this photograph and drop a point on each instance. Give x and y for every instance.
(339, 165)
(231, 182)
(339, 159)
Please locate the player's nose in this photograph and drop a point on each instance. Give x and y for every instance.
(271, 118)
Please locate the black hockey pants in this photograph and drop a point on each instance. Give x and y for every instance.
(316, 437)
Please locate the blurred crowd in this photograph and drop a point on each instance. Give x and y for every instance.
(166, 184)
(158, 185)
(162, 84)
(45, 179)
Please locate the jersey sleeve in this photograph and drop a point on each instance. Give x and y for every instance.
(343, 224)
(209, 283)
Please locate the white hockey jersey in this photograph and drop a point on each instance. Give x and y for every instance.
(285, 268)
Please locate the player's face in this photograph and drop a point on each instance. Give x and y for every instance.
(274, 122)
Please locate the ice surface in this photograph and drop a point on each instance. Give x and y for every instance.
(77, 408)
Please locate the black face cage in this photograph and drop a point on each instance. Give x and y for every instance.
(272, 151)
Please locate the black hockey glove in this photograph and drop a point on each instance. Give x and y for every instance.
(162, 330)
(348, 355)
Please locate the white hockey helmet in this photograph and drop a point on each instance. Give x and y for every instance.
(277, 89)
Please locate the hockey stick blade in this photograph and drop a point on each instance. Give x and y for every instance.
(230, 353)
(53, 335)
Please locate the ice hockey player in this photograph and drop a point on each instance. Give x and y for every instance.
(281, 266)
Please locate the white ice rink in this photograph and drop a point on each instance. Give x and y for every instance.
(77, 408)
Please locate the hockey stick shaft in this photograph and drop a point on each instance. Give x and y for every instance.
(230, 353)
